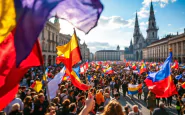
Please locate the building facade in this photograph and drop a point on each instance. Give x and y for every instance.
(177, 43)
(50, 38)
(91, 57)
(159, 50)
(85, 52)
(112, 55)
(134, 51)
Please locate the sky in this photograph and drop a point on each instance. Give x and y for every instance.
(116, 24)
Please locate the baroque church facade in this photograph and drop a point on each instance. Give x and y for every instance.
(134, 51)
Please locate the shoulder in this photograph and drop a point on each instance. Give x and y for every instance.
(156, 110)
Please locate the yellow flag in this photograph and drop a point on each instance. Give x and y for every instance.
(38, 86)
(7, 18)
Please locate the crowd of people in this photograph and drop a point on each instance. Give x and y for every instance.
(101, 99)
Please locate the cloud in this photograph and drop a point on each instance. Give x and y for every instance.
(110, 32)
(162, 5)
(95, 46)
(112, 22)
(143, 23)
(173, 1)
(144, 11)
(169, 24)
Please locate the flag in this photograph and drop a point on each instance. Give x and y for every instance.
(66, 77)
(53, 84)
(133, 89)
(29, 18)
(97, 67)
(161, 83)
(45, 74)
(89, 77)
(82, 71)
(127, 68)
(183, 85)
(77, 71)
(175, 65)
(178, 77)
(86, 65)
(10, 75)
(70, 55)
(134, 66)
(143, 68)
(77, 83)
(108, 70)
(37, 86)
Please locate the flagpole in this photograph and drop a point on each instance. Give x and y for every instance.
(47, 90)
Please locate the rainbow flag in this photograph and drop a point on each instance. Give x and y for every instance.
(143, 68)
(108, 70)
(133, 89)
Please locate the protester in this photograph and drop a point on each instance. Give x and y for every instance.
(161, 110)
(106, 91)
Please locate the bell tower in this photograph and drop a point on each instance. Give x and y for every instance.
(152, 31)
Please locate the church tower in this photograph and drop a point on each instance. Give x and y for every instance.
(152, 28)
(136, 31)
(57, 24)
(131, 46)
(118, 48)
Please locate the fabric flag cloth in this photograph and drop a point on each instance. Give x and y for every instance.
(10, 75)
(108, 70)
(127, 69)
(30, 16)
(143, 68)
(133, 89)
(89, 77)
(77, 71)
(37, 86)
(86, 66)
(45, 74)
(53, 84)
(175, 65)
(183, 85)
(161, 83)
(82, 71)
(178, 77)
(70, 55)
(134, 66)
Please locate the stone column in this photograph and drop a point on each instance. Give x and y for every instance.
(182, 48)
(177, 51)
(46, 60)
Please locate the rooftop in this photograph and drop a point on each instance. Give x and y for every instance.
(107, 51)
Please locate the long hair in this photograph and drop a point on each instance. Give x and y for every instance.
(113, 108)
(27, 101)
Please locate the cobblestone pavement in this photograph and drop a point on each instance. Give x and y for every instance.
(142, 105)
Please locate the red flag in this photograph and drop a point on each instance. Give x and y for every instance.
(10, 75)
(70, 55)
(175, 65)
